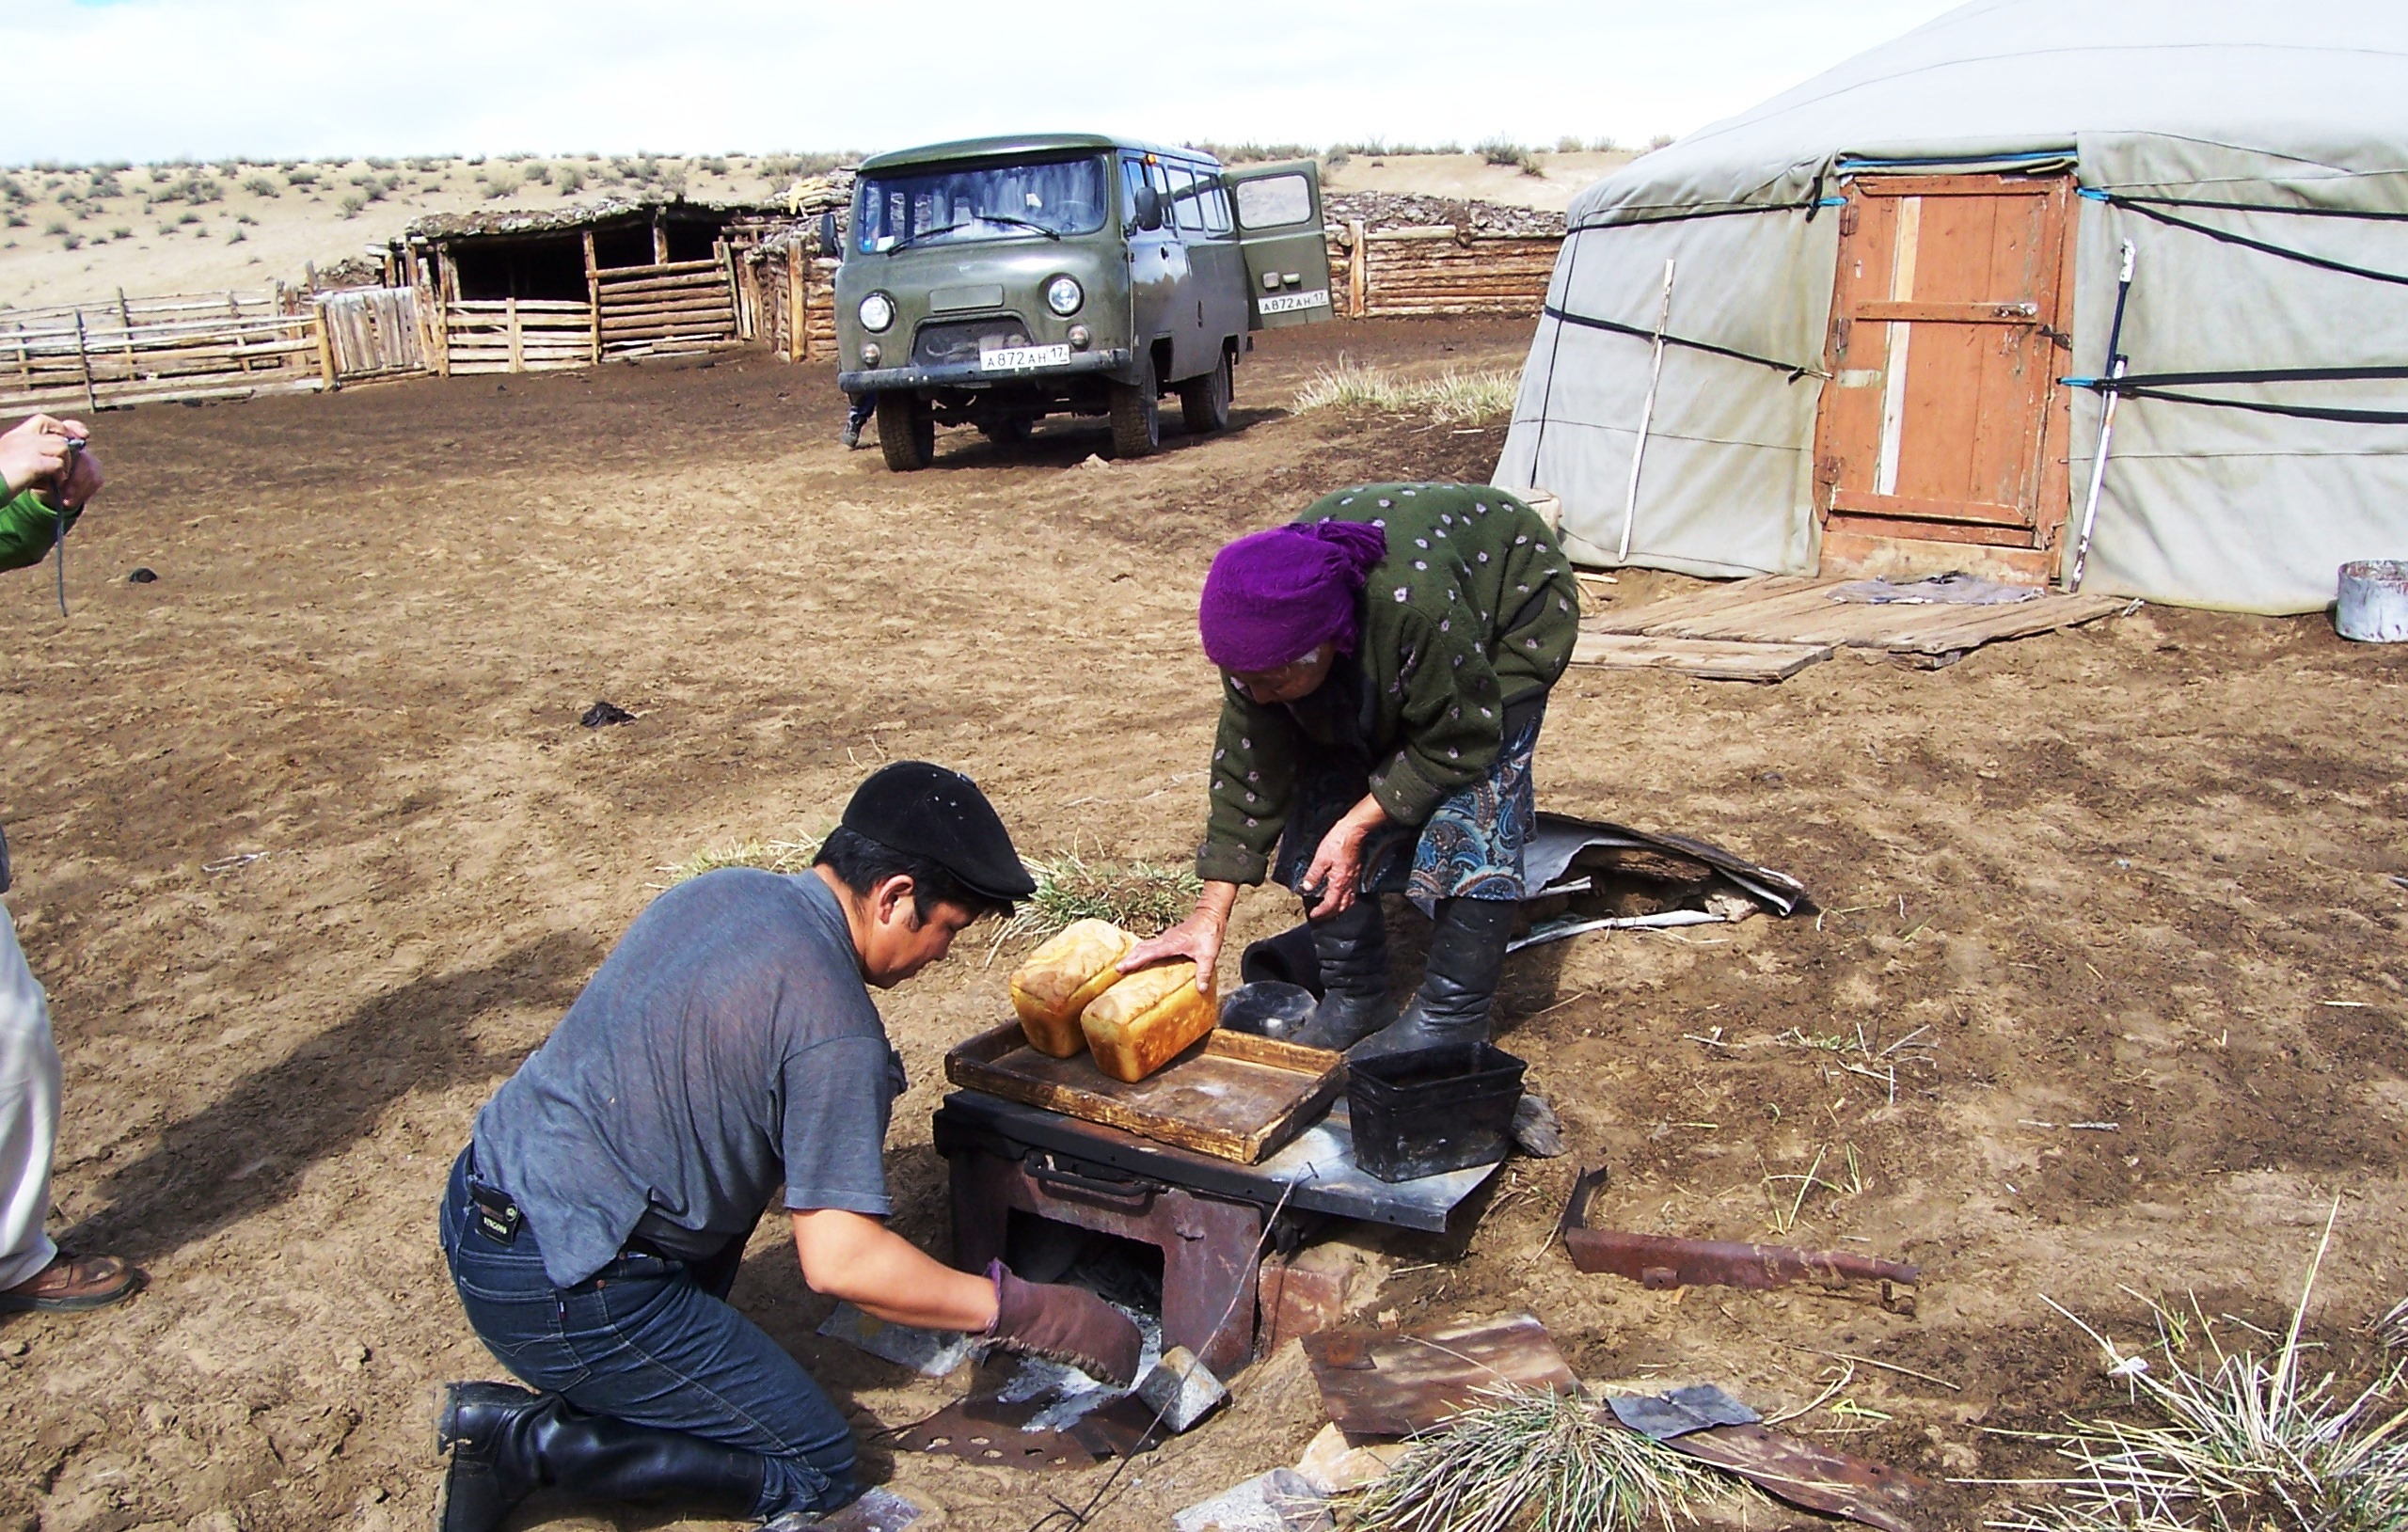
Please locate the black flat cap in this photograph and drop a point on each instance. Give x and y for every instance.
(929, 812)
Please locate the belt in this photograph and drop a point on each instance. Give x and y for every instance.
(498, 1216)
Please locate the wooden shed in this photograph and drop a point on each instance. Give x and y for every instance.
(531, 291)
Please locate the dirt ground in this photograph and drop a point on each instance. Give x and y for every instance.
(311, 851)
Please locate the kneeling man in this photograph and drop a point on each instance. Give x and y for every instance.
(726, 1047)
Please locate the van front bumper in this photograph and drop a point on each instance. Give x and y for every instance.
(970, 375)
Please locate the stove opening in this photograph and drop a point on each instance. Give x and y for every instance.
(1125, 1272)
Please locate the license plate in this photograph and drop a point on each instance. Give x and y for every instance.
(1020, 358)
(1288, 303)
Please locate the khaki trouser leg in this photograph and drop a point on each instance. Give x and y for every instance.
(28, 1113)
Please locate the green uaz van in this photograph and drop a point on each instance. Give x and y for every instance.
(993, 281)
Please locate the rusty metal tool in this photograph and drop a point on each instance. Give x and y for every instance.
(1659, 1261)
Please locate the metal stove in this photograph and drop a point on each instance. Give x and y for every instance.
(1206, 1216)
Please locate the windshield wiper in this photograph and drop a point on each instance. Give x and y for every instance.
(1020, 223)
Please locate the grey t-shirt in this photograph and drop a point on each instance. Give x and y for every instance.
(727, 1044)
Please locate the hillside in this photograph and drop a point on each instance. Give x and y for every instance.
(84, 234)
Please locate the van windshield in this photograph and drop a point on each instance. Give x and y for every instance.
(980, 203)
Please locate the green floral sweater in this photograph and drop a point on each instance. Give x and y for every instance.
(28, 526)
(1473, 610)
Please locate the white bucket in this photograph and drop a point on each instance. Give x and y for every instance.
(2372, 606)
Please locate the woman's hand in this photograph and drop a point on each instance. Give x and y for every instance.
(34, 453)
(1197, 938)
(1337, 868)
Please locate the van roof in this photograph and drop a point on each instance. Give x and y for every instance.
(1017, 146)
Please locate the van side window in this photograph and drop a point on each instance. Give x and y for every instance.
(1184, 198)
(1274, 201)
(1216, 205)
(1132, 177)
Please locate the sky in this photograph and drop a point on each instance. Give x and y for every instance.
(146, 80)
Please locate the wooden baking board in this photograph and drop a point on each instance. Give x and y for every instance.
(1232, 1096)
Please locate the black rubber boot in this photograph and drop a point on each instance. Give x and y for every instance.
(506, 1443)
(1466, 955)
(1352, 949)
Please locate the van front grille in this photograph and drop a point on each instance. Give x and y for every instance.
(952, 346)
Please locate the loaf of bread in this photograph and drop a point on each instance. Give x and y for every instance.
(1071, 969)
(1145, 1020)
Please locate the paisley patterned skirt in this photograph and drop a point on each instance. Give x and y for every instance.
(1470, 849)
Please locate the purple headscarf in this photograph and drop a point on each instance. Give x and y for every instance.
(1275, 597)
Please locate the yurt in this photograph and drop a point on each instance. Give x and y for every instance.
(1865, 328)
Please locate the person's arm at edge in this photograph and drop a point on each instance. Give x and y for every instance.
(858, 1258)
(29, 530)
(1197, 938)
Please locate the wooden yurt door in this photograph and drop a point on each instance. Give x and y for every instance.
(1941, 440)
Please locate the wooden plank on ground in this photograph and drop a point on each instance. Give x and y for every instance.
(1714, 597)
(1710, 659)
(1793, 611)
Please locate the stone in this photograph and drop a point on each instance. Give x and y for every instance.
(1331, 1465)
(1278, 1501)
(1313, 1290)
(1182, 1389)
(931, 1353)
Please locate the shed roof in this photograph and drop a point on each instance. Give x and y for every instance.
(519, 223)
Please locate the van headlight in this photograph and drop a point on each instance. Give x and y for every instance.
(876, 313)
(1063, 295)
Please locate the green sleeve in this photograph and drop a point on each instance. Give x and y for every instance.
(1451, 724)
(1253, 789)
(28, 526)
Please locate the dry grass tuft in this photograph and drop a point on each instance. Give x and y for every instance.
(2233, 1443)
(1535, 1463)
(771, 856)
(1454, 397)
(1140, 896)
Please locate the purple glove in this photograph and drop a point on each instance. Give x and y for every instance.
(1064, 1324)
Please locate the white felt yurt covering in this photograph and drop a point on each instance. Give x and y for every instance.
(2281, 124)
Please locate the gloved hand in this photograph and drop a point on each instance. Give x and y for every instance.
(1064, 1324)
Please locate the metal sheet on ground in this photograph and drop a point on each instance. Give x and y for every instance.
(1810, 1476)
(1395, 1383)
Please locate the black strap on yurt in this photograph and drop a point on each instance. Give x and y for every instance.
(1693, 214)
(2163, 386)
(2367, 214)
(1616, 327)
(2167, 386)
(2148, 208)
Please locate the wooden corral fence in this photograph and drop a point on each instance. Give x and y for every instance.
(671, 306)
(516, 335)
(137, 351)
(1377, 272)
(371, 331)
(791, 293)
(789, 299)
(656, 309)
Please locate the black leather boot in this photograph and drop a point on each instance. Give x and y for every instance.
(506, 1443)
(1466, 955)
(1352, 949)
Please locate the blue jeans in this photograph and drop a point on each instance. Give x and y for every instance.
(653, 1342)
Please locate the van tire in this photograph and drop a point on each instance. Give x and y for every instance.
(1204, 402)
(906, 431)
(1136, 416)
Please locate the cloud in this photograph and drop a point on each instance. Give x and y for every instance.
(151, 79)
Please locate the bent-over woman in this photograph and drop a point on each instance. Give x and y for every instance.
(1386, 660)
